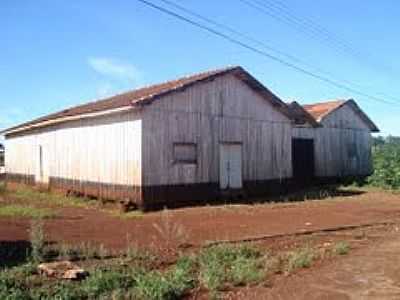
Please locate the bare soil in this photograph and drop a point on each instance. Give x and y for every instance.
(204, 224)
(370, 271)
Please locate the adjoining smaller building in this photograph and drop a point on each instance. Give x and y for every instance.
(336, 141)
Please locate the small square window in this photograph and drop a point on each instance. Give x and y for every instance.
(185, 153)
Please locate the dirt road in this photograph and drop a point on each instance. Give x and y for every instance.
(369, 273)
(202, 224)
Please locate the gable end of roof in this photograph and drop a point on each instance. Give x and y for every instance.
(323, 109)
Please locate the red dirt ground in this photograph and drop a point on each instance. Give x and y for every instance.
(370, 271)
(197, 226)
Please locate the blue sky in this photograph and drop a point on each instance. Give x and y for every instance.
(55, 54)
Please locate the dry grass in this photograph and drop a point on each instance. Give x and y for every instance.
(25, 211)
(25, 193)
(171, 232)
(136, 214)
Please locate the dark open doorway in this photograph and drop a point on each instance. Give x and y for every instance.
(303, 160)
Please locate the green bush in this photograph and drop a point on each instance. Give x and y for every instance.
(386, 159)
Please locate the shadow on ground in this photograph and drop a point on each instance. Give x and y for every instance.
(14, 253)
(322, 192)
(292, 194)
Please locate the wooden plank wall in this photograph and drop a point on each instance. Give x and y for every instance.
(342, 146)
(104, 149)
(222, 110)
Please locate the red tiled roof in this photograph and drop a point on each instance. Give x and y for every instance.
(147, 94)
(320, 110)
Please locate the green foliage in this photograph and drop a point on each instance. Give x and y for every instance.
(101, 282)
(245, 271)
(13, 282)
(44, 197)
(223, 264)
(215, 268)
(301, 258)
(172, 284)
(341, 248)
(386, 158)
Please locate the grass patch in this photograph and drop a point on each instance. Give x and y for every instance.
(301, 258)
(224, 264)
(341, 248)
(25, 211)
(140, 257)
(83, 251)
(47, 198)
(216, 268)
(114, 282)
(127, 215)
(103, 282)
(172, 284)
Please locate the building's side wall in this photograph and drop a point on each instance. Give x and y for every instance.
(342, 145)
(99, 156)
(222, 110)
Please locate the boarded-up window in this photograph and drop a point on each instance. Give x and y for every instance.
(185, 153)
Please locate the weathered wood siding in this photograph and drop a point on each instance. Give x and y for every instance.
(222, 110)
(87, 153)
(342, 145)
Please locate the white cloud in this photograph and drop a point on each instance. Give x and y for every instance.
(115, 69)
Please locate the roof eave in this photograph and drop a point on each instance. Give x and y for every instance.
(22, 128)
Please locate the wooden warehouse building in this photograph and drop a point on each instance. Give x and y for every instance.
(189, 139)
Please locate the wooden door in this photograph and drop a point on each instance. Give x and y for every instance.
(230, 166)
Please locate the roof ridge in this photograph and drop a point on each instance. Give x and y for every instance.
(148, 86)
(130, 97)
